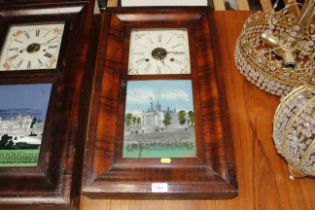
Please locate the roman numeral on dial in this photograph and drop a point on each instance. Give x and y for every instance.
(40, 62)
(52, 39)
(19, 63)
(48, 55)
(13, 57)
(17, 41)
(147, 68)
(27, 35)
(159, 38)
(13, 49)
(29, 64)
(141, 60)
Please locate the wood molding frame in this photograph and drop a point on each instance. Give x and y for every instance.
(106, 174)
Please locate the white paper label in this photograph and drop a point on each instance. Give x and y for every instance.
(159, 187)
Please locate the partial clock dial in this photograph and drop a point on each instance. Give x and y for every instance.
(159, 51)
(29, 47)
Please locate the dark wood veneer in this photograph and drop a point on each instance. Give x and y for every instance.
(55, 182)
(212, 173)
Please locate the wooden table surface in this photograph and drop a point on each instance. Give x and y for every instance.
(262, 173)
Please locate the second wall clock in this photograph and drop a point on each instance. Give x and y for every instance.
(34, 46)
(158, 126)
(42, 64)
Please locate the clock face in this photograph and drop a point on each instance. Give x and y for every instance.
(159, 51)
(29, 47)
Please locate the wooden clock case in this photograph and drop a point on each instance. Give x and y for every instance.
(55, 182)
(106, 174)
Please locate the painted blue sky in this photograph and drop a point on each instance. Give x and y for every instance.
(169, 93)
(28, 96)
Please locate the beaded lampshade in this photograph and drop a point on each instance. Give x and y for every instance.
(294, 131)
(275, 50)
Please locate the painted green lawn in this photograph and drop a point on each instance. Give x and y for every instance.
(19, 158)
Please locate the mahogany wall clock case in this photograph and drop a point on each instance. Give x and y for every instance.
(158, 123)
(43, 60)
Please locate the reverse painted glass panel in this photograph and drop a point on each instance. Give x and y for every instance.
(23, 111)
(159, 120)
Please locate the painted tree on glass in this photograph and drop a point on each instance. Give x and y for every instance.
(128, 119)
(6, 142)
(182, 117)
(191, 118)
(167, 119)
(138, 121)
(134, 120)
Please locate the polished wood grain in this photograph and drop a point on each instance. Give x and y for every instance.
(262, 173)
(211, 174)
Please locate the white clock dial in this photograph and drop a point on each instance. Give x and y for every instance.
(29, 47)
(159, 51)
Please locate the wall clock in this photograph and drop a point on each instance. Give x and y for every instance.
(41, 71)
(158, 126)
